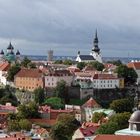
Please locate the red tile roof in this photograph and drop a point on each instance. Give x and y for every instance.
(135, 65)
(44, 121)
(88, 131)
(34, 73)
(91, 103)
(104, 76)
(116, 137)
(4, 66)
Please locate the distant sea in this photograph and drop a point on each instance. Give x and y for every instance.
(105, 59)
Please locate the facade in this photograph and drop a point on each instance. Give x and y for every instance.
(4, 66)
(95, 54)
(107, 81)
(136, 67)
(55, 76)
(10, 55)
(29, 79)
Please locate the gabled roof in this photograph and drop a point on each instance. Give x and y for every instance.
(116, 137)
(4, 66)
(34, 73)
(134, 65)
(88, 131)
(104, 76)
(86, 57)
(91, 103)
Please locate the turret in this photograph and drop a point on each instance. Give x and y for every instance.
(10, 48)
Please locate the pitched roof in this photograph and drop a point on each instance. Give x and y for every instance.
(4, 66)
(104, 76)
(86, 57)
(135, 65)
(116, 137)
(88, 131)
(91, 103)
(34, 73)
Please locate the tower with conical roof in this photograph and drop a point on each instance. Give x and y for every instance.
(96, 50)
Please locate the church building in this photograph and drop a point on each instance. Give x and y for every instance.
(95, 54)
(10, 55)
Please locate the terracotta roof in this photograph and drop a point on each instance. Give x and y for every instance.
(4, 66)
(116, 137)
(135, 65)
(88, 131)
(44, 121)
(104, 76)
(59, 73)
(91, 103)
(35, 73)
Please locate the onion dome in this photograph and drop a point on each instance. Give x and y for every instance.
(135, 117)
(17, 53)
(96, 38)
(2, 52)
(10, 47)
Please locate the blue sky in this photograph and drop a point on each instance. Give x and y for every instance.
(67, 26)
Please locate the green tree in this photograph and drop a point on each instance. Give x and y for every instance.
(25, 62)
(121, 119)
(13, 125)
(61, 91)
(54, 102)
(39, 95)
(28, 111)
(108, 128)
(81, 65)
(31, 65)
(122, 105)
(67, 62)
(97, 65)
(58, 62)
(64, 128)
(115, 62)
(128, 74)
(13, 70)
(98, 116)
(24, 124)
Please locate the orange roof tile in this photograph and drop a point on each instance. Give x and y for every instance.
(35, 73)
(104, 76)
(116, 137)
(4, 66)
(91, 103)
(135, 65)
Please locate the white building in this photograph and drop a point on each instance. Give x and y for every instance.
(4, 66)
(95, 54)
(107, 81)
(55, 76)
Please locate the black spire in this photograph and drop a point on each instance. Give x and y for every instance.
(95, 42)
(2, 52)
(10, 47)
(17, 53)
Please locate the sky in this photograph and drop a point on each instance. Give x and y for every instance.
(68, 26)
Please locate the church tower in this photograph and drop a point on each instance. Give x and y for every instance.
(96, 50)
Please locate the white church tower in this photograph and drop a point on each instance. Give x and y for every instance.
(96, 50)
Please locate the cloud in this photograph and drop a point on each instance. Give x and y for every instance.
(35, 26)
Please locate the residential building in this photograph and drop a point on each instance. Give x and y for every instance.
(136, 66)
(107, 81)
(4, 67)
(54, 76)
(29, 79)
(86, 131)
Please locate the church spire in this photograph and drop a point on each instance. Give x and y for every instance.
(95, 42)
